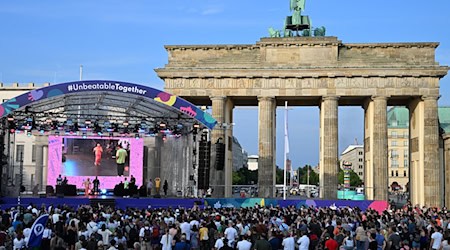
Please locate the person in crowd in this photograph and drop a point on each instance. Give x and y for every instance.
(77, 227)
(303, 240)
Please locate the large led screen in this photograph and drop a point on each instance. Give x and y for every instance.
(78, 158)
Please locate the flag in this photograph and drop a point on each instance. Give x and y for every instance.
(37, 230)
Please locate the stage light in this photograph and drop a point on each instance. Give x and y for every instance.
(103, 191)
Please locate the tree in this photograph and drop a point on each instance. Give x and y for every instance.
(280, 176)
(355, 181)
(245, 177)
(302, 174)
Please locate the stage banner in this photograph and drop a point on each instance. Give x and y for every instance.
(37, 231)
(379, 206)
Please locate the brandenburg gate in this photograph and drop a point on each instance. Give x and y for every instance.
(323, 72)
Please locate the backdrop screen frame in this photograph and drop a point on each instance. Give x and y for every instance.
(55, 164)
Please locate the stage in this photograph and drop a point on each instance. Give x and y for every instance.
(146, 202)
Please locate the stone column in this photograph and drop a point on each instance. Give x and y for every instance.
(266, 134)
(217, 180)
(425, 181)
(447, 169)
(432, 181)
(380, 148)
(329, 147)
(40, 142)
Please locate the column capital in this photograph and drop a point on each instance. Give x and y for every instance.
(330, 98)
(446, 137)
(379, 97)
(266, 98)
(218, 98)
(430, 97)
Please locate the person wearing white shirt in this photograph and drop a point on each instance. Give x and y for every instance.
(186, 229)
(303, 242)
(18, 242)
(288, 243)
(194, 222)
(436, 238)
(219, 242)
(105, 233)
(231, 234)
(244, 244)
(166, 241)
(55, 218)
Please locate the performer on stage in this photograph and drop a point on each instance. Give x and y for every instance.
(98, 150)
(157, 184)
(96, 183)
(121, 156)
(87, 186)
(126, 188)
(59, 180)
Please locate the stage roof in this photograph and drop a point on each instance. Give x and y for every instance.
(105, 102)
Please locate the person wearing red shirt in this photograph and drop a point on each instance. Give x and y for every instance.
(330, 243)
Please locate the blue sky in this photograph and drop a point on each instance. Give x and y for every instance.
(46, 41)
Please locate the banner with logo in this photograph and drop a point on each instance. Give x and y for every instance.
(37, 230)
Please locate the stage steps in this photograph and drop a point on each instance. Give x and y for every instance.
(105, 202)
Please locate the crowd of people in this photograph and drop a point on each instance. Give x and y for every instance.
(260, 228)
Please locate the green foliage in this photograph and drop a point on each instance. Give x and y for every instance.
(302, 173)
(355, 181)
(245, 177)
(280, 175)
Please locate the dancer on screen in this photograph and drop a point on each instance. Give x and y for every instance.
(98, 150)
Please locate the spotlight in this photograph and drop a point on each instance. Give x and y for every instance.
(103, 191)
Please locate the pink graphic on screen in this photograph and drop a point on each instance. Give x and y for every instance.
(56, 166)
